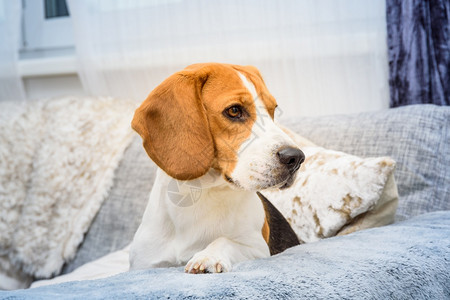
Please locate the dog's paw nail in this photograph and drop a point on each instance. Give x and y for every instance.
(219, 268)
(187, 268)
(202, 267)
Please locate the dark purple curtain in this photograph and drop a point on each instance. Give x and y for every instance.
(419, 51)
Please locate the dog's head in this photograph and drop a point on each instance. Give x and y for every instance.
(217, 116)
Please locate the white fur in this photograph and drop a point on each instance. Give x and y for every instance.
(223, 226)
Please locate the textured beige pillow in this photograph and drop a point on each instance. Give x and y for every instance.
(337, 193)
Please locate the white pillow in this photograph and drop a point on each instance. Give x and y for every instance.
(337, 193)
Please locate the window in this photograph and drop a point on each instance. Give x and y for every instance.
(55, 9)
(46, 25)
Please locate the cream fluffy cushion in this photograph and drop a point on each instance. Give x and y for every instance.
(337, 193)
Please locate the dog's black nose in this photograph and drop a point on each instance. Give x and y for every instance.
(291, 157)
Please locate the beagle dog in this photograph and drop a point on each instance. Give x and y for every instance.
(210, 129)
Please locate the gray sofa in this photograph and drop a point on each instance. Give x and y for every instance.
(406, 260)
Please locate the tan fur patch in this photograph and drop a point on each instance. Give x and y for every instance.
(264, 95)
(317, 221)
(223, 89)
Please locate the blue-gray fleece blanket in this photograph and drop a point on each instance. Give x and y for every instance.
(407, 260)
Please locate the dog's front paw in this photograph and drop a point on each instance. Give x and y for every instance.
(204, 263)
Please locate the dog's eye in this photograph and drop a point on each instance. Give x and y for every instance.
(234, 112)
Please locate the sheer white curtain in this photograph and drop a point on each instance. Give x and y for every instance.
(317, 56)
(11, 86)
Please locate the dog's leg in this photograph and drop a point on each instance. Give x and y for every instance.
(222, 253)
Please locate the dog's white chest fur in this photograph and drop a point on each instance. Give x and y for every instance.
(202, 217)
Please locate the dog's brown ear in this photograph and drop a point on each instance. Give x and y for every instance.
(173, 125)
